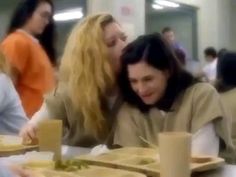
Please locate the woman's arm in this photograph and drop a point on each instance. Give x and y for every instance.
(53, 107)
(11, 111)
(205, 141)
(29, 130)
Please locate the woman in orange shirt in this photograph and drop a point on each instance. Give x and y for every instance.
(29, 48)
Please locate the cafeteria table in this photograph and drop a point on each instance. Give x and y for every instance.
(224, 171)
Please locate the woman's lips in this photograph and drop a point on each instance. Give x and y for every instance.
(146, 95)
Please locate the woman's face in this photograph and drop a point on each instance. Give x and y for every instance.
(147, 82)
(115, 40)
(40, 18)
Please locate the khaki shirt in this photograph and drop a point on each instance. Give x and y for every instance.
(229, 100)
(197, 106)
(60, 106)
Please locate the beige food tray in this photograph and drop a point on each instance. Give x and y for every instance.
(145, 160)
(92, 171)
(14, 148)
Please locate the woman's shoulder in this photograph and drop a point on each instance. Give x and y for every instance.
(229, 97)
(128, 107)
(229, 92)
(133, 110)
(201, 88)
(16, 39)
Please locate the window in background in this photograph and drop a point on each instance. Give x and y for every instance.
(181, 18)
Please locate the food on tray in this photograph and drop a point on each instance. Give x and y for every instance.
(70, 165)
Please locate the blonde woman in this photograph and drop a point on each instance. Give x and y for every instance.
(12, 116)
(86, 97)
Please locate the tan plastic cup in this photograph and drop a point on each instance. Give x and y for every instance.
(175, 154)
(50, 137)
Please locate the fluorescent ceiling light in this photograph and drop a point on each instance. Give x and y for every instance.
(70, 14)
(167, 3)
(156, 6)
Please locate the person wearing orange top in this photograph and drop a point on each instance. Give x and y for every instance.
(29, 48)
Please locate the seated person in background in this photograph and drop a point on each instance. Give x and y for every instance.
(161, 96)
(86, 99)
(226, 85)
(209, 70)
(12, 115)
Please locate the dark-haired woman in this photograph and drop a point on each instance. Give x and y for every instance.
(226, 85)
(161, 96)
(29, 48)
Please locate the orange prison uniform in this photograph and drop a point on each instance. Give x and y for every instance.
(36, 74)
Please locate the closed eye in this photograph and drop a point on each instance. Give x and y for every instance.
(133, 81)
(147, 78)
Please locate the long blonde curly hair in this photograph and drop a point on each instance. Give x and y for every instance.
(86, 69)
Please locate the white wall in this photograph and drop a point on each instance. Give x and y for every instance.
(224, 24)
(4, 19)
(130, 13)
(214, 16)
(233, 26)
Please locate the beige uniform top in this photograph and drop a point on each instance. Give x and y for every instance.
(59, 106)
(229, 100)
(197, 106)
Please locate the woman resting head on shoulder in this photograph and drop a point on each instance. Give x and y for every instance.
(86, 98)
(161, 96)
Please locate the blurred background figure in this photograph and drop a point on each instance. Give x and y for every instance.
(181, 53)
(29, 47)
(209, 70)
(169, 36)
(180, 56)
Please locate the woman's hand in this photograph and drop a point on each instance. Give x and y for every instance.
(28, 133)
